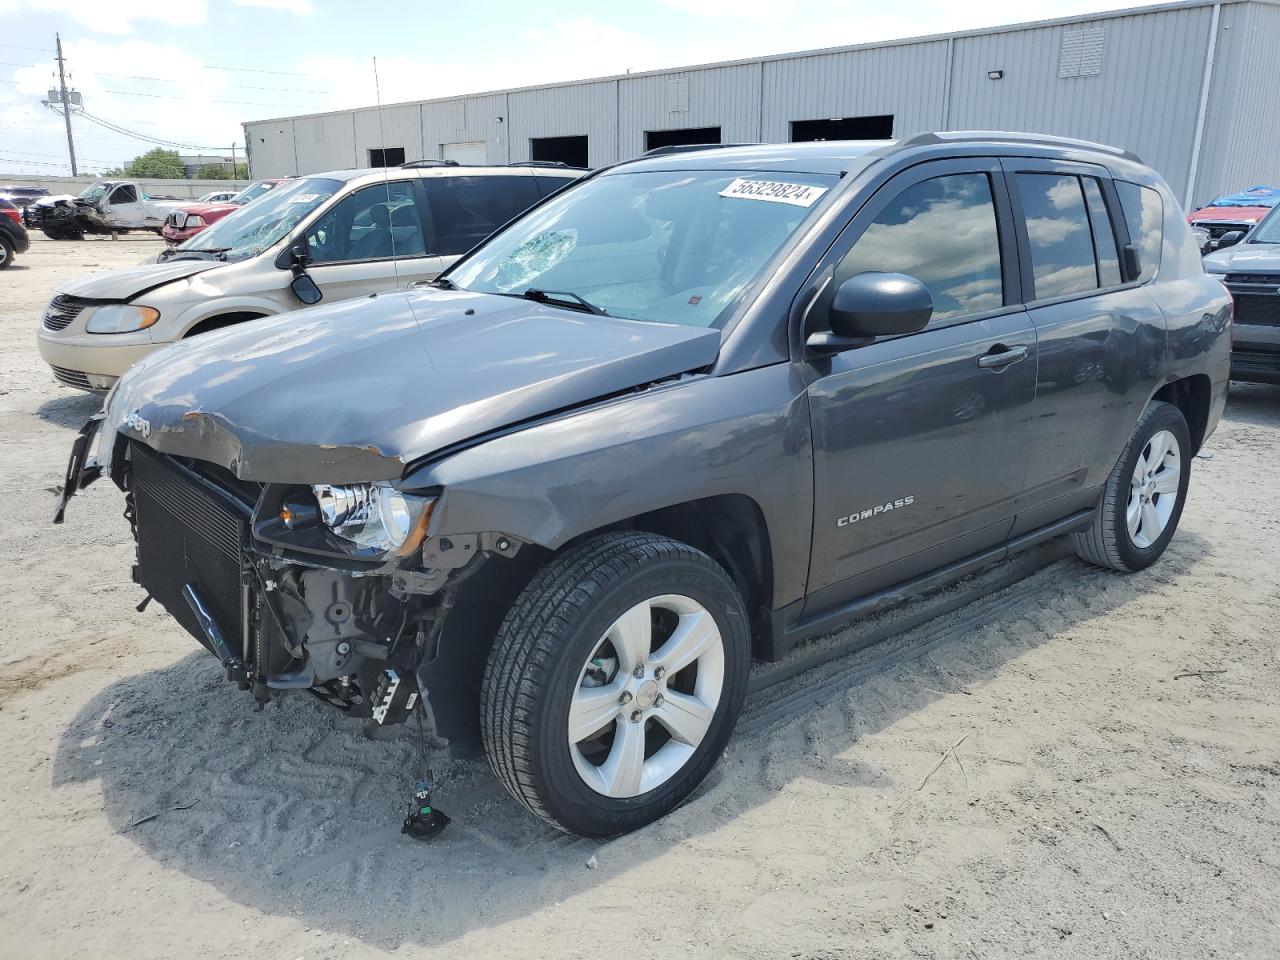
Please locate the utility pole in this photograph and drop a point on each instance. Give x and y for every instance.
(233, 166)
(66, 107)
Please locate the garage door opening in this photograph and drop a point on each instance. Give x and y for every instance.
(843, 128)
(471, 153)
(680, 138)
(571, 151)
(386, 156)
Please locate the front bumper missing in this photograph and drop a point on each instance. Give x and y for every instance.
(82, 468)
(273, 625)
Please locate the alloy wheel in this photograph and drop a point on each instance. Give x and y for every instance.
(646, 697)
(1153, 489)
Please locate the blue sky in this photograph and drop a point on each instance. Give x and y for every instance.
(190, 71)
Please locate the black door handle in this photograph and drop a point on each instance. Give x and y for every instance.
(1000, 356)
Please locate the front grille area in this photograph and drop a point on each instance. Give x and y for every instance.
(188, 531)
(1259, 309)
(1217, 228)
(72, 378)
(1272, 279)
(62, 310)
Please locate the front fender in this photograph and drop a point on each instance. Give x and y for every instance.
(746, 434)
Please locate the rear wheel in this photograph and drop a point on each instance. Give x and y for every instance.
(615, 681)
(1144, 494)
(6, 252)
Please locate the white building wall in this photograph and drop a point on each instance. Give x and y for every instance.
(725, 97)
(1142, 91)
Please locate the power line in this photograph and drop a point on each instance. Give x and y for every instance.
(240, 103)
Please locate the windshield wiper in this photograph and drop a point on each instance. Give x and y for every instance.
(442, 283)
(563, 298)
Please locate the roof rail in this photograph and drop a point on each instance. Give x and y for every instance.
(558, 164)
(414, 164)
(1031, 139)
(691, 147)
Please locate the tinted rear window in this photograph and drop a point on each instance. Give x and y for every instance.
(1144, 215)
(465, 210)
(1059, 233)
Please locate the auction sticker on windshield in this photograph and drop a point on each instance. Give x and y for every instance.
(796, 194)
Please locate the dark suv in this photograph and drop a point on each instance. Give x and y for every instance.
(690, 411)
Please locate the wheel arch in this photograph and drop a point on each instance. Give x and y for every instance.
(220, 320)
(730, 528)
(1193, 396)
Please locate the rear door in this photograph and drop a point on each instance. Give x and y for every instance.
(374, 240)
(1101, 336)
(920, 441)
(465, 209)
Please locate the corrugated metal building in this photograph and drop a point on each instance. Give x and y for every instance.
(1181, 84)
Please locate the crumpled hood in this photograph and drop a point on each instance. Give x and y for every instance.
(128, 283)
(357, 390)
(1246, 258)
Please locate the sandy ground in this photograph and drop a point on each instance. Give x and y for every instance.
(1098, 802)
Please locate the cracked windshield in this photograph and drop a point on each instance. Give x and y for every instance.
(255, 227)
(670, 246)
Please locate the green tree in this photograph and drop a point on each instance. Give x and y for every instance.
(221, 171)
(157, 164)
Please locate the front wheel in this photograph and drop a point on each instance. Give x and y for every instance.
(1143, 497)
(6, 252)
(614, 682)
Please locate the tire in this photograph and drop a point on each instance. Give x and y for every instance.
(551, 653)
(1109, 540)
(6, 252)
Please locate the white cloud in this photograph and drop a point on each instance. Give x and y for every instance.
(301, 7)
(118, 16)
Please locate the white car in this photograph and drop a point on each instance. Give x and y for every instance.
(338, 235)
(218, 196)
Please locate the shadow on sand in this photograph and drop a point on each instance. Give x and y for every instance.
(298, 812)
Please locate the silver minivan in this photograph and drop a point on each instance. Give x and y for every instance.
(334, 236)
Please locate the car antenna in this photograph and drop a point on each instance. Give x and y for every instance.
(386, 179)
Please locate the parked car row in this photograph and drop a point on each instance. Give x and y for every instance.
(13, 236)
(186, 221)
(557, 483)
(1233, 213)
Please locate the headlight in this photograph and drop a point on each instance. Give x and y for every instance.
(374, 515)
(194, 220)
(121, 318)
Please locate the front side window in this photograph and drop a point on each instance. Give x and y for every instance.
(942, 232)
(1059, 234)
(375, 223)
(666, 246)
(251, 229)
(465, 210)
(1144, 214)
(125, 194)
(1268, 231)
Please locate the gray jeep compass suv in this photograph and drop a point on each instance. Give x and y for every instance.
(690, 411)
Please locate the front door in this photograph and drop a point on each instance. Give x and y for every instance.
(124, 208)
(371, 241)
(920, 441)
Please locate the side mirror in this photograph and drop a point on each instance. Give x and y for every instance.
(305, 289)
(1230, 238)
(869, 305)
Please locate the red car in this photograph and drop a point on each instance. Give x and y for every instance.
(1236, 211)
(184, 223)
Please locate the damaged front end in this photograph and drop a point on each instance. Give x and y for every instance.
(334, 589)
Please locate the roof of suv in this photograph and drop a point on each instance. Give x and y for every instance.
(459, 170)
(834, 156)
